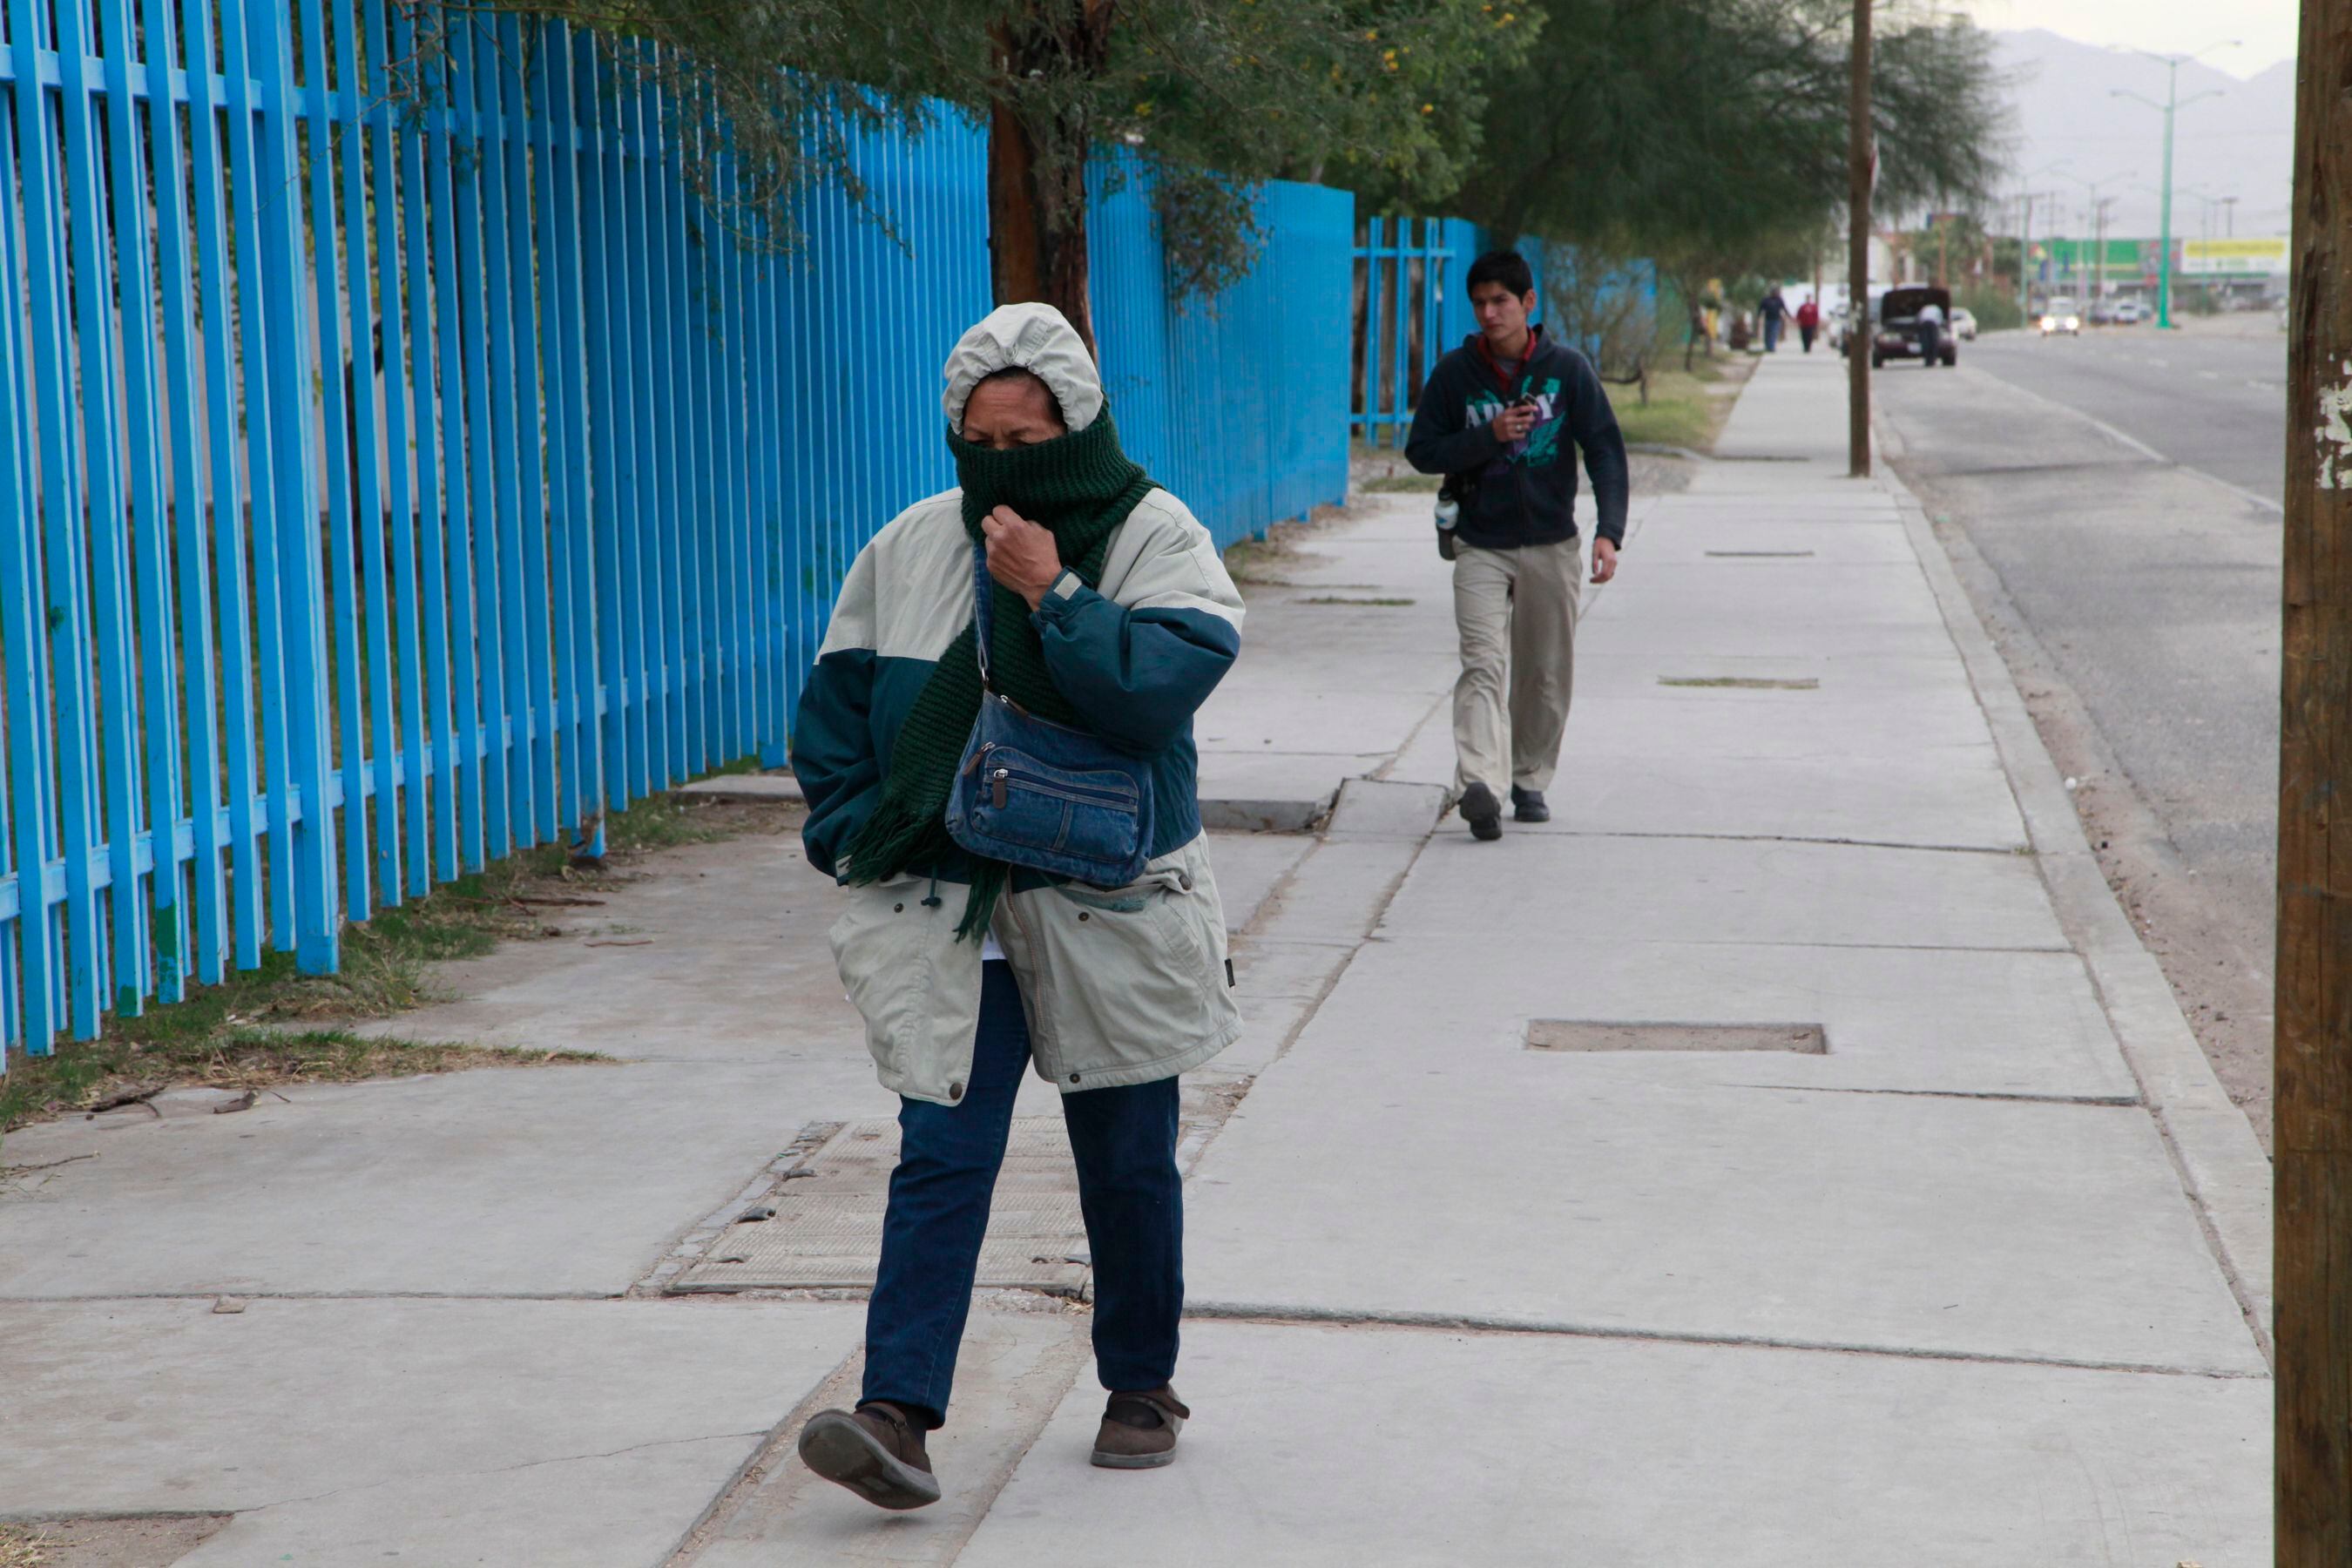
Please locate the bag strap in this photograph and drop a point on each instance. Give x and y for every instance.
(982, 625)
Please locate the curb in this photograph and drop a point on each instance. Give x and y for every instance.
(2220, 1164)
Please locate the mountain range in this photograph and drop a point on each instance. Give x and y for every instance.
(2238, 143)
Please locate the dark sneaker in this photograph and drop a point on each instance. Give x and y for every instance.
(1527, 805)
(1138, 1430)
(1482, 811)
(877, 1453)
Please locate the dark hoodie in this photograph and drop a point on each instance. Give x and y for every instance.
(1525, 494)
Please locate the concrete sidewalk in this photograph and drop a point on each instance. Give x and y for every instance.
(1969, 1282)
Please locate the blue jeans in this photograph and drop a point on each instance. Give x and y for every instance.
(1771, 334)
(1128, 1189)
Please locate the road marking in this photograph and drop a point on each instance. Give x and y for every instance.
(2134, 443)
(2208, 375)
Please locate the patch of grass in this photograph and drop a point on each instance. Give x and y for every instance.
(110, 1071)
(1686, 408)
(1334, 599)
(1742, 682)
(1398, 484)
(274, 1024)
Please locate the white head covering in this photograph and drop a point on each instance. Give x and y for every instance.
(1038, 339)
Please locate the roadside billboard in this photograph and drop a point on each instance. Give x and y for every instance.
(2257, 256)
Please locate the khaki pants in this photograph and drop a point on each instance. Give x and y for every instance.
(1516, 612)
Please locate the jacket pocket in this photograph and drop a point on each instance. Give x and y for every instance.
(878, 945)
(1132, 974)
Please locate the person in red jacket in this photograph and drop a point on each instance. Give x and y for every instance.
(1809, 322)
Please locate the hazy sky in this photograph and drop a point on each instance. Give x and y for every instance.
(2167, 27)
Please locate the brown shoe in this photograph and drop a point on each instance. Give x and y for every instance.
(877, 1453)
(1138, 1430)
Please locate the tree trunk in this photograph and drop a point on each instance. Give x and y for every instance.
(1038, 163)
(2313, 1137)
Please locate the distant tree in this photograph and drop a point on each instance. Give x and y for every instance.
(1715, 130)
(1215, 97)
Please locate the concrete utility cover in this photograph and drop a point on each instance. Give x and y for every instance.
(827, 1229)
(1565, 1034)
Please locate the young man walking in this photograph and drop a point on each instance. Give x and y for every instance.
(1502, 418)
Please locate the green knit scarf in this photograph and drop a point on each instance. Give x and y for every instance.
(1080, 487)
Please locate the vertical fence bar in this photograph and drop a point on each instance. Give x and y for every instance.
(613, 483)
(152, 707)
(680, 504)
(23, 615)
(232, 484)
(335, 387)
(374, 331)
(576, 603)
(505, 688)
(62, 542)
(90, 265)
(408, 471)
(307, 842)
(693, 251)
(475, 612)
(656, 450)
(428, 234)
(735, 516)
(526, 535)
(204, 950)
(548, 533)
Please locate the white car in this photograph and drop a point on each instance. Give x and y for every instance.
(2130, 312)
(1964, 323)
(2061, 316)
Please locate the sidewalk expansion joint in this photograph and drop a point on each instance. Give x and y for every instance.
(241, 1294)
(2014, 1097)
(1854, 946)
(1472, 1322)
(503, 1470)
(2006, 852)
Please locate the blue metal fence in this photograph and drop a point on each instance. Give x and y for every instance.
(387, 484)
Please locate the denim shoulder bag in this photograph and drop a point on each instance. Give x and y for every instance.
(1042, 794)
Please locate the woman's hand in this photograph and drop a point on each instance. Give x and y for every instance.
(1021, 555)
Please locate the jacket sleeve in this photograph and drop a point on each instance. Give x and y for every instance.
(1593, 424)
(1442, 440)
(1138, 670)
(832, 750)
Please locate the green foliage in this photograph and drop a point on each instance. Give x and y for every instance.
(1216, 96)
(1712, 133)
(1995, 309)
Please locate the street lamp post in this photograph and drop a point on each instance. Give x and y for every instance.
(2097, 223)
(2173, 103)
(2025, 245)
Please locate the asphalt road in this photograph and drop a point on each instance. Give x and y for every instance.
(2112, 501)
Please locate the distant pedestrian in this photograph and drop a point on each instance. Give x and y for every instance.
(1930, 327)
(1773, 308)
(1110, 618)
(1809, 322)
(1503, 417)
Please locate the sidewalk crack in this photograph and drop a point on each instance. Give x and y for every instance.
(502, 1469)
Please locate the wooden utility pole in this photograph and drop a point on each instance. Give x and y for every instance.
(2312, 1191)
(1859, 155)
